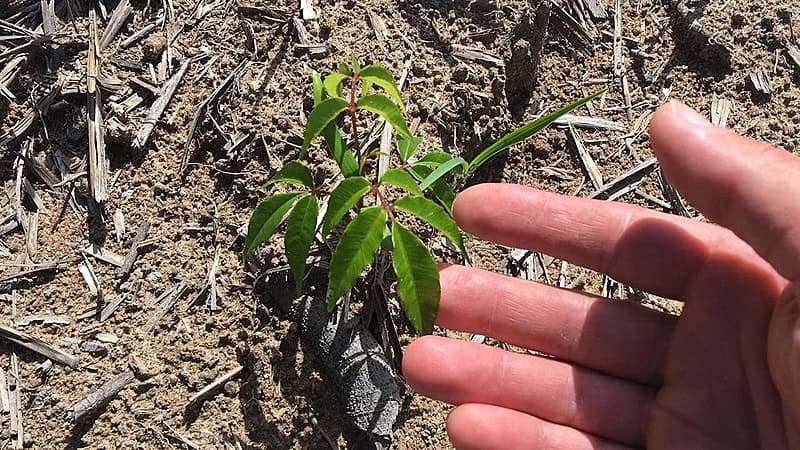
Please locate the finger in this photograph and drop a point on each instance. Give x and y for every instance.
(478, 427)
(655, 252)
(747, 186)
(618, 338)
(461, 372)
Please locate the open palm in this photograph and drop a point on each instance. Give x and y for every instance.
(725, 374)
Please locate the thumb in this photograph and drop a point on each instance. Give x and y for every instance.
(747, 186)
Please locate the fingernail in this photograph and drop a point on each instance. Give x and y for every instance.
(688, 114)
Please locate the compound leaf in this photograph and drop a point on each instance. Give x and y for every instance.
(417, 279)
(384, 107)
(441, 171)
(320, 117)
(355, 250)
(300, 227)
(343, 198)
(266, 218)
(524, 132)
(292, 173)
(407, 147)
(434, 215)
(400, 178)
(377, 74)
(333, 82)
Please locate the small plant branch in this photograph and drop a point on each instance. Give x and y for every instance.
(384, 203)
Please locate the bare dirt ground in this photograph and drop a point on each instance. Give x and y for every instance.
(279, 400)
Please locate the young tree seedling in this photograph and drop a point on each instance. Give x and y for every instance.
(426, 193)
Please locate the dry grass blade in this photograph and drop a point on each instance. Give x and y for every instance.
(38, 346)
(476, 54)
(94, 119)
(118, 17)
(99, 398)
(20, 128)
(158, 107)
(213, 386)
(627, 182)
(588, 163)
(201, 110)
(589, 123)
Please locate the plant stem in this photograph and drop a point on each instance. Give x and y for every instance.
(385, 204)
(353, 119)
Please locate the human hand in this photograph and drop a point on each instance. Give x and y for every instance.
(725, 374)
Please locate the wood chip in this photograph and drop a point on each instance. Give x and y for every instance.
(476, 54)
(133, 253)
(204, 393)
(38, 346)
(794, 56)
(761, 82)
(44, 319)
(99, 398)
(720, 110)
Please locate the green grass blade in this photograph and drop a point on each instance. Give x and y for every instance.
(385, 108)
(417, 279)
(400, 178)
(343, 198)
(320, 117)
(441, 171)
(265, 219)
(434, 215)
(440, 189)
(377, 74)
(524, 132)
(292, 173)
(300, 227)
(355, 251)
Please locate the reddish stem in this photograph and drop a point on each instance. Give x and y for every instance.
(384, 203)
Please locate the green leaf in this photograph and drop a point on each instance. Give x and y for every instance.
(524, 132)
(343, 198)
(300, 227)
(355, 250)
(435, 158)
(407, 147)
(417, 279)
(384, 107)
(386, 239)
(316, 82)
(441, 171)
(339, 151)
(320, 117)
(356, 65)
(292, 173)
(265, 219)
(365, 87)
(433, 214)
(333, 83)
(400, 178)
(343, 69)
(440, 189)
(377, 74)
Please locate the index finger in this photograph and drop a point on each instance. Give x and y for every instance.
(653, 251)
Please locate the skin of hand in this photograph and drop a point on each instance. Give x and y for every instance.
(724, 374)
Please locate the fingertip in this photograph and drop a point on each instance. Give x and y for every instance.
(418, 358)
(466, 202)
